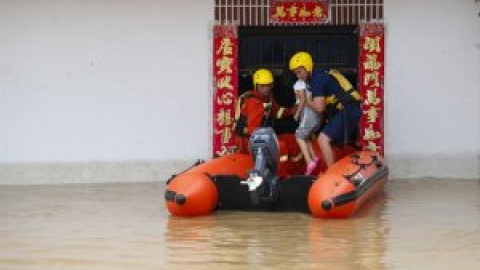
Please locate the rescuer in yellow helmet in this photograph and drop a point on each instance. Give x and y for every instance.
(257, 108)
(333, 96)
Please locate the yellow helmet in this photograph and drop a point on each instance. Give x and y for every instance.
(301, 59)
(262, 76)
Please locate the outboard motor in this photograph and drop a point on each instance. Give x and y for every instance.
(262, 180)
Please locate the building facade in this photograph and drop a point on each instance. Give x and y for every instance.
(102, 91)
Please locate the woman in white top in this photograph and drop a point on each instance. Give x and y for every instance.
(310, 122)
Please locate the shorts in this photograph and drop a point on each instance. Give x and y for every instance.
(335, 127)
(310, 122)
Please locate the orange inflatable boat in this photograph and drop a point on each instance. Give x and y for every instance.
(249, 182)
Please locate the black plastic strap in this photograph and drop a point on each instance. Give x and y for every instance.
(170, 195)
(198, 162)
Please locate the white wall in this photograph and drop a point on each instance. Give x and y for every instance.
(433, 88)
(120, 90)
(104, 80)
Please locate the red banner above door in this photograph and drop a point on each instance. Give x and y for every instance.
(303, 12)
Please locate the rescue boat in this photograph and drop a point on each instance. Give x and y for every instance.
(249, 182)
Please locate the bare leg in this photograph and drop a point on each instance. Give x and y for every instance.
(305, 151)
(326, 147)
(310, 149)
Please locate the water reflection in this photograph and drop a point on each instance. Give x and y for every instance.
(278, 240)
(415, 224)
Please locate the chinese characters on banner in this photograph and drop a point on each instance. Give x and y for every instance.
(313, 11)
(225, 45)
(370, 76)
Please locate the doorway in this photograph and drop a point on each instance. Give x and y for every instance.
(271, 47)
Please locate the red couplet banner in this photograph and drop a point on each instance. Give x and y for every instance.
(225, 65)
(371, 86)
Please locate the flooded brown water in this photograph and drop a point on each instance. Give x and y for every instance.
(414, 224)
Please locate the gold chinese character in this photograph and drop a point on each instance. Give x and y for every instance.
(222, 151)
(225, 134)
(224, 117)
(292, 11)
(225, 98)
(371, 134)
(371, 63)
(372, 146)
(303, 13)
(224, 64)
(372, 98)
(226, 47)
(372, 44)
(371, 77)
(225, 82)
(318, 12)
(280, 12)
(372, 114)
